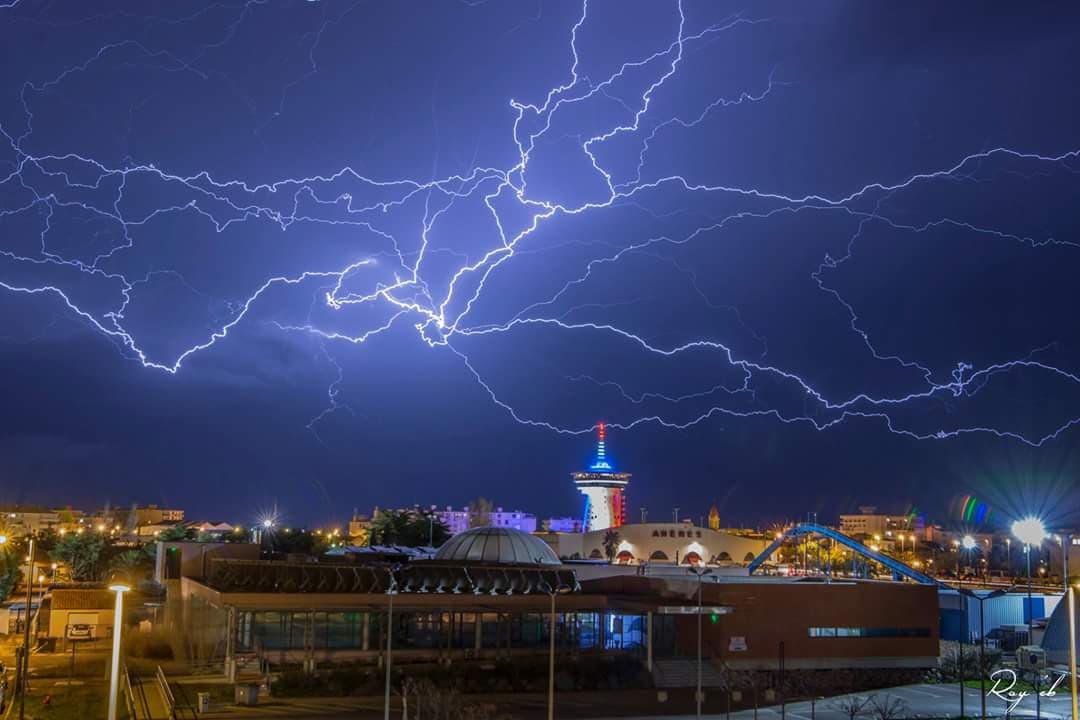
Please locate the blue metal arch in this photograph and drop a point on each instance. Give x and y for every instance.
(898, 568)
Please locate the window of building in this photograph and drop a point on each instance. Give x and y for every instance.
(852, 632)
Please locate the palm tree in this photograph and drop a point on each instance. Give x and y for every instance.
(611, 543)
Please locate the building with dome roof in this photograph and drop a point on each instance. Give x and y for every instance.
(496, 545)
(488, 594)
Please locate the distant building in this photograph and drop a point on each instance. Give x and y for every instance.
(668, 543)
(869, 523)
(714, 518)
(359, 527)
(209, 527)
(18, 520)
(563, 525)
(603, 488)
(458, 521)
(154, 515)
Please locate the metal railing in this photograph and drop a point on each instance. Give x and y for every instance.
(139, 706)
(177, 709)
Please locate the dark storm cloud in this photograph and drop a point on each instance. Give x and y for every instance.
(864, 92)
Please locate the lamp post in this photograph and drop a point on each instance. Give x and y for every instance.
(700, 572)
(1030, 531)
(982, 638)
(1072, 650)
(391, 591)
(965, 544)
(24, 664)
(118, 625)
(552, 591)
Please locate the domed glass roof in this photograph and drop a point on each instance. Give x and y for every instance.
(502, 546)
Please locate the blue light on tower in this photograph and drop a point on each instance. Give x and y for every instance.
(601, 463)
(603, 488)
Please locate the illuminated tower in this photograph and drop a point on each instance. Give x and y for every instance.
(605, 504)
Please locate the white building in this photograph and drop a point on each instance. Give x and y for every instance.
(681, 543)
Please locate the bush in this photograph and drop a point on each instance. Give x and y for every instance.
(153, 645)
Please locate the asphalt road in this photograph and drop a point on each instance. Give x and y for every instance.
(919, 701)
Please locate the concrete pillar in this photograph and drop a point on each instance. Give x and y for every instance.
(365, 633)
(230, 644)
(309, 642)
(479, 631)
(648, 641)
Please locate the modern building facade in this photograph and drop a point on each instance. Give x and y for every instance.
(603, 488)
(488, 594)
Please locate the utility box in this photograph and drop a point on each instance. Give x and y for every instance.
(247, 694)
(1030, 657)
(202, 702)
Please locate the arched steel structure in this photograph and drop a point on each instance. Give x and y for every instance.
(898, 568)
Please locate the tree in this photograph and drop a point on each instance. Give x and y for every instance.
(81, 553)
(306, 543)
(388, 527)
(480, 512)
(611, 544)
(134, 564)
(176, 534)
(889, 707)
(850, 705)
(9, 571)
(407, 528)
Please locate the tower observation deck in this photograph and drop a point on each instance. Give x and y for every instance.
(603, 488)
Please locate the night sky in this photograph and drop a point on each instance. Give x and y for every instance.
(324, 255)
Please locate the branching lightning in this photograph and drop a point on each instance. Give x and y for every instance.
(398, 287)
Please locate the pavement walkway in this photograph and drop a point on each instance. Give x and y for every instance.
(919, 701)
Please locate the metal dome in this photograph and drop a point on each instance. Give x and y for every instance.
(497, 545)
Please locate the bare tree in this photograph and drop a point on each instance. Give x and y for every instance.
(850, 705)
(889, 707)
(480, 512)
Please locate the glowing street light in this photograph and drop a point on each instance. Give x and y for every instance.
(1030, 531)
(114, 673)
(3, 539)
(968, 543)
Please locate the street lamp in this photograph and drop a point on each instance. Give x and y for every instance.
(1030, 531)
(700, 572)
(118, 624)
(552, 591)
(25, 660)
(982, 639)
(1072, 648)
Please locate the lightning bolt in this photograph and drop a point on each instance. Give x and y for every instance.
(402, 279)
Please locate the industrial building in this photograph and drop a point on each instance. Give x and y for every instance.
(488, 593)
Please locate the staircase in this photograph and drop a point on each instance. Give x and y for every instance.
(682, 672)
